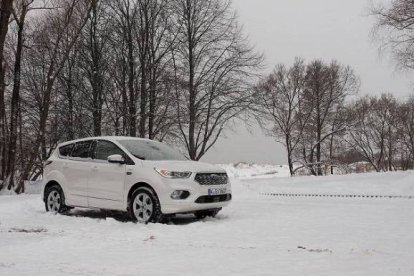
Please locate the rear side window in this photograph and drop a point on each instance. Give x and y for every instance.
(81, 149)
(65, 151)
(103, 149)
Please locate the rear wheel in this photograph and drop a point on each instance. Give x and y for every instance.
(145, 207)
(55, 200)
(207, 213)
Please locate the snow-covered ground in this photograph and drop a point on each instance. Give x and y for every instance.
(255, 235)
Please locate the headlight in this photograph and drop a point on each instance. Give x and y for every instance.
(172, 174)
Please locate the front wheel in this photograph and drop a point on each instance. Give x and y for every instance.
(144, 206)
(55, 199)
(207, 213)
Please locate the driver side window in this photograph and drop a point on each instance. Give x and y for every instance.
(103, 149)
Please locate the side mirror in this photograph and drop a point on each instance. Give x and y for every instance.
(116, 158)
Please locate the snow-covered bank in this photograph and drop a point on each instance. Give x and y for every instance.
(255, 235)
(247, 171)
(31, 187)
(391, 183)
(276, 179)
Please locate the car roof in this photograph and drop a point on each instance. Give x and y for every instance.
(108, 138)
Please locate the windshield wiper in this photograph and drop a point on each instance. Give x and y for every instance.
(139, 157)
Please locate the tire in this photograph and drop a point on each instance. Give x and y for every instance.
(207, 213)
(55, 200)
(144, 206)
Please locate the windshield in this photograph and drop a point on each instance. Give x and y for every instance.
(151, 150)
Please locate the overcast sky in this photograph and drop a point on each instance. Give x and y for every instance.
(325, 29)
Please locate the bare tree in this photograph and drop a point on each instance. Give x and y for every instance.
(125, 18)
(405, 125)
(61, 29)
(6, 7)
(278, 103)
(373, 132)
(326, 88)
(147, 12)
(163, 34)
(394, 29)
(339, 124)
(66, 101)
(213, 70)
(94, 61)
(19, 12)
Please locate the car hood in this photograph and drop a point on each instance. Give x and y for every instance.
(184, 166)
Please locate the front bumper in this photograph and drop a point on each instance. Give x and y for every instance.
(181, 207)
(213, 198)
(199, 198)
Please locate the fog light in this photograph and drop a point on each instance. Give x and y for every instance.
(180, 194)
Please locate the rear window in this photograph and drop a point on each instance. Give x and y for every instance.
(65, 150)
(81, 149)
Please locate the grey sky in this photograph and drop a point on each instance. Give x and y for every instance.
(326, 29)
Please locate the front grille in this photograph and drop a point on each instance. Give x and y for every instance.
(211, 178)
(213, 199)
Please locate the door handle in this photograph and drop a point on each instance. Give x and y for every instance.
(94, 168)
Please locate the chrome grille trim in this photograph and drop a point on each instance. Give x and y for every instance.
(211, 178)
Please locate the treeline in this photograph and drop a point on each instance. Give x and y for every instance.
(313, 110)
(170, 70)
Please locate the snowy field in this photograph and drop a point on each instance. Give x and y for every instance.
(255, 235)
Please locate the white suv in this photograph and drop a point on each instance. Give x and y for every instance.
(148, 179)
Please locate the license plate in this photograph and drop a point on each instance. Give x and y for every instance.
(217, 191)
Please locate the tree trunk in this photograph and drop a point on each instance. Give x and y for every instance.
(96, 79)
(11, 160)
(152, 103)
(96, 102)
(69, 94)
(143, 100)
(331, 151)
(5, 12)
(318, 139)
(131, 105)
(390, 148)
(289, 155)
(192, 151)
(2, 127)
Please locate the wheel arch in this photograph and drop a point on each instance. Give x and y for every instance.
(137, 186)
(48, 185)
(157, 215)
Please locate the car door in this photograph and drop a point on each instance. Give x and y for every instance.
(76, 170)
(106, 181)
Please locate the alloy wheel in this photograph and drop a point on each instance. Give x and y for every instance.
(54, 201)
(143, 207)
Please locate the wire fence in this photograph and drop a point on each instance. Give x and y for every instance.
(338, 196)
